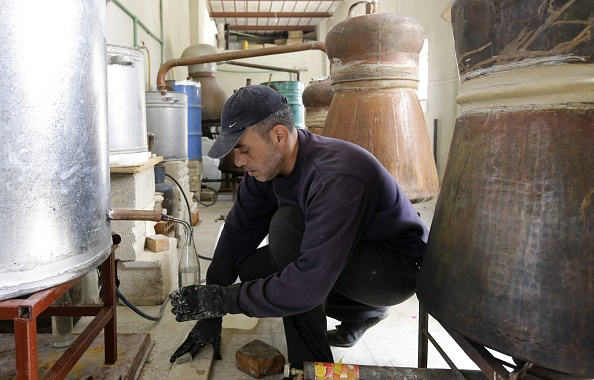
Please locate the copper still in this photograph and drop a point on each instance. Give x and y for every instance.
(213, 95)
(510, 258)
(374, 67)
(317, 97)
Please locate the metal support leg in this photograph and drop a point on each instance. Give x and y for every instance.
(109, 301)
(423, 340)
(25, 332)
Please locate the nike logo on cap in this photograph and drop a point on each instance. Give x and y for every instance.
(231, 125)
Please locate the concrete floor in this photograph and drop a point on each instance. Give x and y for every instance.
(392, 343)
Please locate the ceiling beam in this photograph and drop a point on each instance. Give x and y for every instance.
(272, 27)
(271, 14)
(323, 1)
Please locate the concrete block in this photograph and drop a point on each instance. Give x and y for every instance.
(195, 165)
(150, 278)
(133, 236)
(132, 190)
(195, 184)
(259, 359)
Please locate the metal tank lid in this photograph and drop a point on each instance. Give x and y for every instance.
(121, 54)
(199, 50)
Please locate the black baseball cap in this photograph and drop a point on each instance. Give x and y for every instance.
(247, 106)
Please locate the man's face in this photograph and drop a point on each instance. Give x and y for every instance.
(259, 157)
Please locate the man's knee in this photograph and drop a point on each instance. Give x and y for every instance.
(287, 219)
(285, 235)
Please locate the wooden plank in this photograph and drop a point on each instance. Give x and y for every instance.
(197, 369)
(133, 350)
(135, 168)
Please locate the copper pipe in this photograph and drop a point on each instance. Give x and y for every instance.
(371, 7)
(146, 215)
(228, 56)
(294, 71)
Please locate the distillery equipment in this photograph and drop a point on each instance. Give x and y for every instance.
(509, 262)
(293, 92)
(55, 169)
(213, 94)
(167, 118)
(213, 99)
(125, 98)
(317, 97)
(191, 88)
(202, 68)
(374, 68)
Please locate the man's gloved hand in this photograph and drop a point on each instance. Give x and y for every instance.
(204, 301)
(205, 332)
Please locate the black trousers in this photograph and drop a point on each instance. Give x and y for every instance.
(375, 277)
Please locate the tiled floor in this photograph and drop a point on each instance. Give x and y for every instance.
(393, 342)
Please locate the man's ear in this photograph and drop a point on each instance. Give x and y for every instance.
(279, 134)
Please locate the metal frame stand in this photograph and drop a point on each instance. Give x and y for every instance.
(490, 366)
(424, 338)
(24, 313)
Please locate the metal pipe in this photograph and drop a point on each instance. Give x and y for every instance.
(146, 215)
(371, 7)
(294, 71)
(227, 56)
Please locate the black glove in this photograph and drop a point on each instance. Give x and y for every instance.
(204, 301)
(205, 332)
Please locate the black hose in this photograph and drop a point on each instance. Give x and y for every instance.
(190, 214)
(140, 312)
(216, 197)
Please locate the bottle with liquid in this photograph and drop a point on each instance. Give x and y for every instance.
(62, 335)
(189, 268)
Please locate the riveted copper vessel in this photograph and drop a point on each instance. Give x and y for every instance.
(374, 68)
(213, 94)
(510, 258)
(317, 97)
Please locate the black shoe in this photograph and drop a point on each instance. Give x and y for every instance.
(348, 333)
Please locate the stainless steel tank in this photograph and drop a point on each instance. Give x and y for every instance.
(125, 98)
(167, 118)
(55, 171)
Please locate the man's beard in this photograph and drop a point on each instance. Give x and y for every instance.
(272, 166)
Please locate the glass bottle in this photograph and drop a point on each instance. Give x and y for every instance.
(189, 267)
(62, 335)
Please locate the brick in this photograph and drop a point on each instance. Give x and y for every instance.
(259, 359)
(157, 243)
(195, 217)
(165, 228)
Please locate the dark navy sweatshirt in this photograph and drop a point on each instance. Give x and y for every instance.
(346, 195)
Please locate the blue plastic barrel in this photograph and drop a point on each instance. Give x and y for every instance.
(192, 89)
